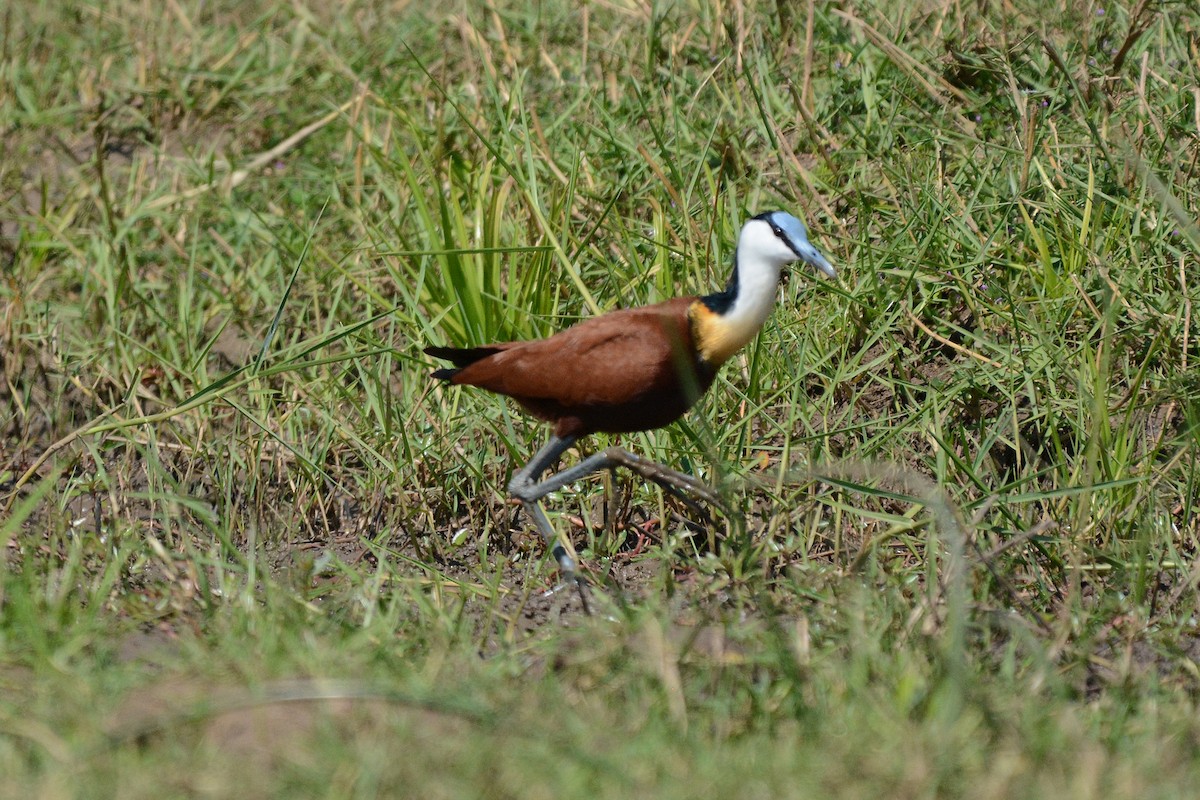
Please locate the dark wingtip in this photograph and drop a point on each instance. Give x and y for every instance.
(462, 356)
(444, 353)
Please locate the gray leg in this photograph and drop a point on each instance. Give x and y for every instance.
(680, 484)
(526, 487)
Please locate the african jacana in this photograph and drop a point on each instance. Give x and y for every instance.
(632, 370)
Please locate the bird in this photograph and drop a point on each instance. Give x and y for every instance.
(632, 369)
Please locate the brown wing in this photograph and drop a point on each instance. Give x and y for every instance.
(601, 360)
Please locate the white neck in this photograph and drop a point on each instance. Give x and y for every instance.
(750, 295)
(757, 288)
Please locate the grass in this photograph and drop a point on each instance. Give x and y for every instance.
(251, 549)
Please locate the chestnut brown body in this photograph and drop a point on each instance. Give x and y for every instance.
(630, 370)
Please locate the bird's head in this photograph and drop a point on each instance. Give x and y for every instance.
(725, 321)
(777, 239)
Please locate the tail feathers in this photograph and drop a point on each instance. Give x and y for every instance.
(460, 357)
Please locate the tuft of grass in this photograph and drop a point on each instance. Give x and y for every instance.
(250, 548)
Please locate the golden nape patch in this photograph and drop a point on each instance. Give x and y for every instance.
(717, 339)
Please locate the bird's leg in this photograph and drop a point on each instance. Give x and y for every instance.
(680, 484)
(524, 487)
(529, 490)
